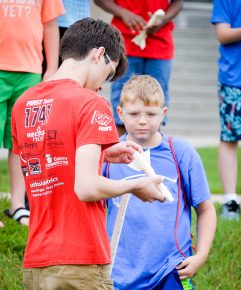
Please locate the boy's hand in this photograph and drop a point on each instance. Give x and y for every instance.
(122, 152)
(189, 267)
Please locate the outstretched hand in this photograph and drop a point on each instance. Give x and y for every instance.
(122, 152)
(189, 267)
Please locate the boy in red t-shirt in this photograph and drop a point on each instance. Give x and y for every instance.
(62, 132)
(131, 16)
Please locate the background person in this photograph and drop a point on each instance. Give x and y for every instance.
(227, 21)
(156, 59)
(75, 10)
(23, 29)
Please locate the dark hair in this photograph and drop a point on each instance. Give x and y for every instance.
(87, 33)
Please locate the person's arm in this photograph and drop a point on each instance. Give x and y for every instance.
(226, 34)
(173, 9)
(133, 21)
(51, 47)
(90, 186)
(206, 227)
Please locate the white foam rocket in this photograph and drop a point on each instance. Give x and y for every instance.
(142, 162)
(140, 39)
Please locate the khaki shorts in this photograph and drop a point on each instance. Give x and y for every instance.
(68, 277)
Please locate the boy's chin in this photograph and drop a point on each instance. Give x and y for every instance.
(141, 140)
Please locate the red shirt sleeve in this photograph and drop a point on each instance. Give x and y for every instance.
(96, 124)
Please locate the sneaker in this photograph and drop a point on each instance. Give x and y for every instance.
(231, 210)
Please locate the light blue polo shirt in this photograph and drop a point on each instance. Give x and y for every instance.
(75, 10)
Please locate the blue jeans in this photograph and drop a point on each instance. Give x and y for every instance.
(160, 69)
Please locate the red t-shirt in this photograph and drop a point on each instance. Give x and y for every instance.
(158, 46)
(50, 121)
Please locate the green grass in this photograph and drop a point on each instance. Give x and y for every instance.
(222, 271)
(4, 178)
(209, 158)
(12, 245)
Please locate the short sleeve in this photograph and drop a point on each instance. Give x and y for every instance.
(51, 10)
(221, 12)
(96, 124)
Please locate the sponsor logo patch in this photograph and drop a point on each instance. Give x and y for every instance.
(34, 166)
(52, 162)
(103, 120)
(36, 136)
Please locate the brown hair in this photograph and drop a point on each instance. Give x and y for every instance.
(82, 36)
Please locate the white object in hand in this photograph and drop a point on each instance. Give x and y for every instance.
(140, 39)
(140, 163)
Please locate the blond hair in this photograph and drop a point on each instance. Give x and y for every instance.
(142, 87)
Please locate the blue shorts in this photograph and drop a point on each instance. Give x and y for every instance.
(230, 113)
(160, 69)
(173, 282)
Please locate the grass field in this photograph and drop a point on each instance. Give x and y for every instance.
(222, 271)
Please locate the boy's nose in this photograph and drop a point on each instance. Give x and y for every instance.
(142, 118)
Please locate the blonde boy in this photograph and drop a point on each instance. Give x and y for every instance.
(155, 248)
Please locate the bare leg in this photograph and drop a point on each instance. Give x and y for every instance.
(1, 224)
(17, 185)
(227, 163)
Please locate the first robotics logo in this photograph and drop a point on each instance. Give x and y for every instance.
(103, 120)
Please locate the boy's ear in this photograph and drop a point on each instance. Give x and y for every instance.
(120, 112)
(98, 53)
(164, 112)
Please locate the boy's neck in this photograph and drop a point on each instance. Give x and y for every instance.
(71, 69)
(155, 141)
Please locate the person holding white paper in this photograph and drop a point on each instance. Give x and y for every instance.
(155, 59)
